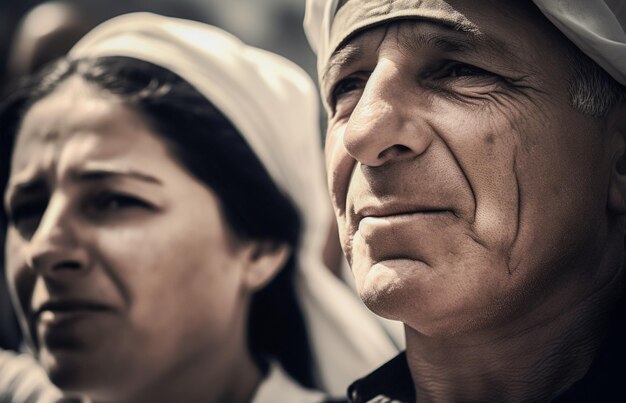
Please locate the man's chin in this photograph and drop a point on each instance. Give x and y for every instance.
(411, 292)
(386, 286)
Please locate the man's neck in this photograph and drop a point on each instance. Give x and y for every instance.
(535, 358)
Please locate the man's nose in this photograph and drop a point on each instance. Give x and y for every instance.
(386, 124)
(54, 249)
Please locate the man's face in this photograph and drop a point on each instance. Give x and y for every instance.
(466, 188)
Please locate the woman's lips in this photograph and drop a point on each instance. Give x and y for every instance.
(59, 311)
(57, 317)
(61, 305)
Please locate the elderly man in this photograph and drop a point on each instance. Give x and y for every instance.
(477, 165)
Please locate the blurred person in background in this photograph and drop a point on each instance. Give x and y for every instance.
(44, 34)
(166, 216)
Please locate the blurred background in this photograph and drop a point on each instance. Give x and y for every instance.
(34, 32)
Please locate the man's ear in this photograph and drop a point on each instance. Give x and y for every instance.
(266, 259)
(616, 128)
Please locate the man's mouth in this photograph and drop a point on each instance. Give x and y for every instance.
(398, 210)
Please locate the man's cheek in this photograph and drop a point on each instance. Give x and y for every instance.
(339, 167)
(345, 237)
(360, 262)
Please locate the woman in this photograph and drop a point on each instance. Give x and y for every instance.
(166, 215)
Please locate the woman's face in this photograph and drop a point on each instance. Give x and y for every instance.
(120, 263)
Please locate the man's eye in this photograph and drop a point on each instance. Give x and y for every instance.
(112, 201)
(463, 70)
(346, 86)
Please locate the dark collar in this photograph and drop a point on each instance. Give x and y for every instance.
(605, 380)
(391, 383)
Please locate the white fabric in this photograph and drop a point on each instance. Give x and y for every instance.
(318, 18)
(279, 387)
(597, 27)
(273, 103)
(22, 380)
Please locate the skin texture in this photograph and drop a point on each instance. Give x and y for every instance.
(103, 214)
(474, 203)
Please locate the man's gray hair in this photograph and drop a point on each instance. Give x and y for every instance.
(592, 90)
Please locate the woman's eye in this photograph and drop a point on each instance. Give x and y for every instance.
(25, 217)
(111, 202)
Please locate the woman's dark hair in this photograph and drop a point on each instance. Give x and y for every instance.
(208, 145)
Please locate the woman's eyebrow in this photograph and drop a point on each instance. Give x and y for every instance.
(101, 174)
(35, 186)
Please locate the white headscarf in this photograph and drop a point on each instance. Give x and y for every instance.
(597, 27)
(273, 104)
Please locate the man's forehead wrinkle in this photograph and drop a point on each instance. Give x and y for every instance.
(417, 40)
(455, 41)
(352, 48)
(448, 14)
(507, 50)
(414, 40)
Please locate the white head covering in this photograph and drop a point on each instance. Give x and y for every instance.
(597, 27)
(23, 379)
(273, 104)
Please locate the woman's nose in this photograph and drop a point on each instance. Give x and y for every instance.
(387, 124)
(55, 248)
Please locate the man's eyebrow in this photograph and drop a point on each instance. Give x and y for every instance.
(448, 43)
(343, 57)
(350, 52)
(460, 40)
